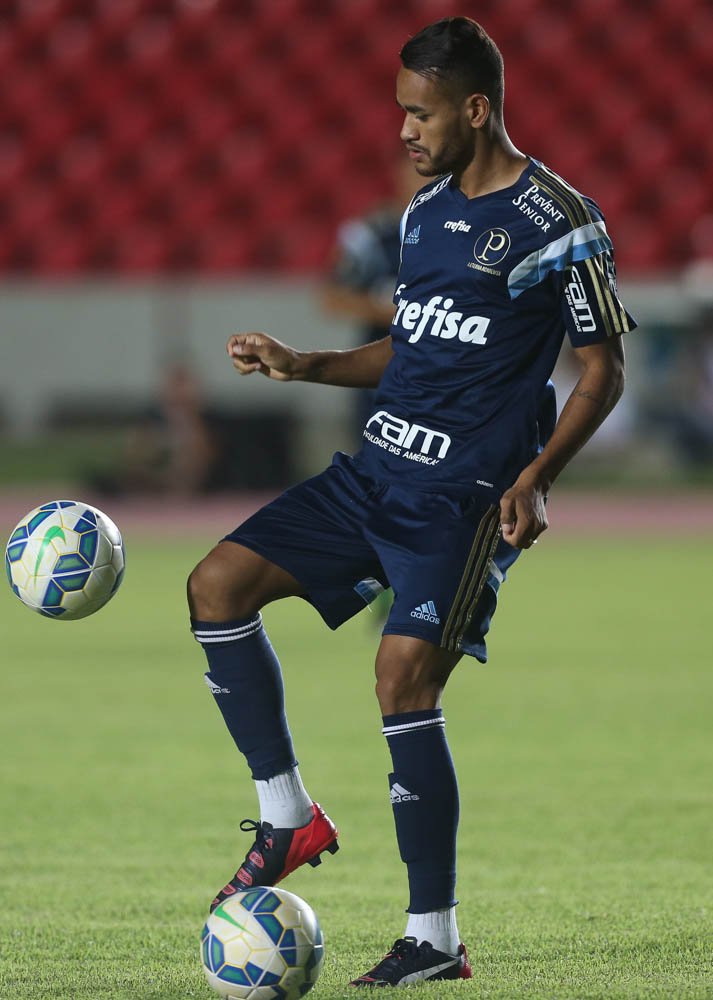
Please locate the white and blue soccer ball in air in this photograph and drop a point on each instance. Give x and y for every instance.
(262, 944)
(65, 559)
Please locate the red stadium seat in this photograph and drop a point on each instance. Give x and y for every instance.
(133, 136)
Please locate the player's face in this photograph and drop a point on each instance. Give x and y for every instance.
(437, 129)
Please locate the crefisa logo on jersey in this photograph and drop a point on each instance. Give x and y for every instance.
(459, 226)
(490, 249)
(438, 318)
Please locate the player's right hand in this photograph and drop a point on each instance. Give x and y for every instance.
(257, 352)
(522, 512)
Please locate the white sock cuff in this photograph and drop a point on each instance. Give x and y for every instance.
(284, 801)
(281, 786)
(439, 927)
(410, 727)
(232, 633)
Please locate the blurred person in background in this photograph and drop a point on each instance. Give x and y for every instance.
(686, 415)
(360, 287)
(675, 400)
(172, 448)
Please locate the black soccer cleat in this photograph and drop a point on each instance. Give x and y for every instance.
(278, 851)
(409, 962)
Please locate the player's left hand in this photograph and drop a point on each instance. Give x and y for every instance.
(522, 513)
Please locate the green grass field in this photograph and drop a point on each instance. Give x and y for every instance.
(584, 751)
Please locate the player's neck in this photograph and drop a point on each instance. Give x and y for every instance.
(497, 164)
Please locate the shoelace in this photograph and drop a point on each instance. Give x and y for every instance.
(263, 830)
(263, 842)
(404, 948)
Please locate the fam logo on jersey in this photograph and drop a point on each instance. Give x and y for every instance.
(411, 441)
(446, 322)
(576, 296)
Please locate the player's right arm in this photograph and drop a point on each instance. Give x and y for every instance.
(359, 368)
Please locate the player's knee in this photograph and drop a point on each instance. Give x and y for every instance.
(403, 687)
(203, 584)
(215, 594)
(411, 674)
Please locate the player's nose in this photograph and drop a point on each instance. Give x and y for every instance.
(409, 131)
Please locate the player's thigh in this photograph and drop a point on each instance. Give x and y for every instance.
(411, 673)
(314, 531)
(233, 581)
(439, 558)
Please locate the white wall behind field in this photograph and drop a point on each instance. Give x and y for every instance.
(65, 340)
(106, 342)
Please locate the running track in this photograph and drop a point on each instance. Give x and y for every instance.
(593, 514)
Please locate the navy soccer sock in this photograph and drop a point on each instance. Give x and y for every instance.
(246, 682)
(424, 796)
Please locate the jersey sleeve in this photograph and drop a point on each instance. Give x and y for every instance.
(580, 264)
(591, 308)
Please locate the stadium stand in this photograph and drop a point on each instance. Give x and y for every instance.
(211, 136)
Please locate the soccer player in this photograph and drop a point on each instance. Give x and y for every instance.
(500, 258)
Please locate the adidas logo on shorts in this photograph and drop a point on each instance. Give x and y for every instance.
(427, 612)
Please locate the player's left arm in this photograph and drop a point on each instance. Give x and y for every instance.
(601, 383)
(595, 319)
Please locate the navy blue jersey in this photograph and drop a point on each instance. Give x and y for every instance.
(487, 288)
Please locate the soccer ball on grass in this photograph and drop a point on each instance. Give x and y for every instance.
(65, 559)
(262, 944)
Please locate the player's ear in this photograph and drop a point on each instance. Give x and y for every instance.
(478, 110)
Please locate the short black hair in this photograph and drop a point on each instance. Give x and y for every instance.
(460, 52)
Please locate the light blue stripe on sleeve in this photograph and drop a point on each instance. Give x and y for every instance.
(581, 243)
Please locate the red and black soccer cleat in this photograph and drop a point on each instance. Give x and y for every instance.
(277, 852)
(409, 962)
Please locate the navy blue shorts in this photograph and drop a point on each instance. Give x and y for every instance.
(345, 537)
